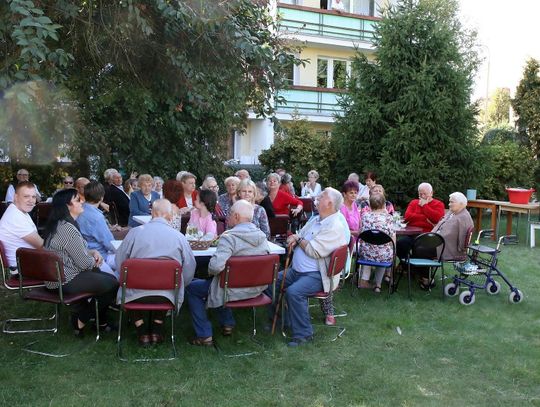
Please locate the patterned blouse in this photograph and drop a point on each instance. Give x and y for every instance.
(260, 219)
(68, 243)
(225, 203)
(379, 221)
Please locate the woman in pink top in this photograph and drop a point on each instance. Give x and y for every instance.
(201, 216)
(349, 209)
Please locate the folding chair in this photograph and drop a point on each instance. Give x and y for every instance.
(337, 263)
(149, 274)
(46, 266)
(375, 237)
(426, 242)
(43, 211)
(250, 271)
(279, 228)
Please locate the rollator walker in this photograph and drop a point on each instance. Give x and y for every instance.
(478, 272)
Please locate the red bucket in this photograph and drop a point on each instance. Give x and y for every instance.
(519, 195)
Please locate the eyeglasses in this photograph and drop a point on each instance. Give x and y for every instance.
(68, 182)
(24, 174)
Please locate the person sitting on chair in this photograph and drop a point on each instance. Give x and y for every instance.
(156, 239)
(140, 202)
(16, 226)
(313, 247)
(244, 239)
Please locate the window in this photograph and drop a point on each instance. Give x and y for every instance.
(332, 73)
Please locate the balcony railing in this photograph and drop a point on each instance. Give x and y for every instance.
(323, 23)
(309, 101)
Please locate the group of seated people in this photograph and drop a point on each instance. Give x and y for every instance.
(78, 232)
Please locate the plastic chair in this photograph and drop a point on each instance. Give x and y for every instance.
(249, 271)
(149, 274)
(375, 237)
(425, 242)
(46, 266)
(337, 263)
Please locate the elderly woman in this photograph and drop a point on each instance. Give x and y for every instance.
(376, 189)
(311, 187)
(376, 219)
(81, 266)
(158, 186)
(349, 209)
(140, 202)
(227, 199)
(248, 190)
(370, 179)
(189, 192)
(281, 200)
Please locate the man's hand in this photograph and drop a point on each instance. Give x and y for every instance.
(292, 240)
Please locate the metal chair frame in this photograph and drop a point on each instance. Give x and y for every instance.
(376, 237)
(170, 266)
(263, 274)
(33, 294)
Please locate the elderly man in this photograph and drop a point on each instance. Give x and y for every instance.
(16, 226)
(22, 175)
(242, 174)
(117, 195)
(313, 245)
(425, 211)
(156, 239)
(243, 239)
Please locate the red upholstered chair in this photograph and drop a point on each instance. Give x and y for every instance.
(43, 211)
(44, 265)
(149, 274)
(250, 271)
(337, 264)
(279, 228)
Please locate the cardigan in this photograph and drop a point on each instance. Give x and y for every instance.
(182, 203)
(425, 216)
(282, 201)
(139, 205)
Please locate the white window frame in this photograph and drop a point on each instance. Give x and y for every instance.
(330, 69)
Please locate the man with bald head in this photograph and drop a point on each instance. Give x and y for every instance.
(156, 239)
(243, 239)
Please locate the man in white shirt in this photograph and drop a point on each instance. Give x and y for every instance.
(16, 226)
(22, 175)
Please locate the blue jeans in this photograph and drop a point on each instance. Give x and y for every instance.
(196, 294)
(299, 287)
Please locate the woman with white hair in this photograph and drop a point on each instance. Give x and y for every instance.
(311, 188)
(228, 199)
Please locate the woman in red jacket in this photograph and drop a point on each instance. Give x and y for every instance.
(281, 200)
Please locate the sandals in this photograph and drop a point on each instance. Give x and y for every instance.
(227, 330)
(377, 289)
(78, 332)
(427, 286)
(198, 341)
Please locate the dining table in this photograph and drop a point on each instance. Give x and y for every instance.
(408, 231)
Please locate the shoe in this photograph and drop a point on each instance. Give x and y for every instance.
(199, 341)
(145, 340)
(364, 284)
(78, 332)
(377, 289)
(295, 342)
(387, 278)
(107, 327)
(227, 330)
(330, 320)
(426, 286)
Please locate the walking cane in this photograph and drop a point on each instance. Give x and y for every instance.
(280, 297)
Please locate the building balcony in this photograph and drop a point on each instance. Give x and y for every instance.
(326, 26)
(317, 104)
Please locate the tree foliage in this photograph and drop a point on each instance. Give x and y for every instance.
(498, 113)
(526, 104)
(158, 85)
(299, 149)
(408, 114)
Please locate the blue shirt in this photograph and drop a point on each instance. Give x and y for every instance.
(94, 230)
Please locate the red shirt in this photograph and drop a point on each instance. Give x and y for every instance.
(282, 201)
(425, 216)
(182, 200)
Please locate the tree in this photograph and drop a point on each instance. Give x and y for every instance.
(299, 149)
(407, 114)
(158, 85)
(526, 104)
(498, 113)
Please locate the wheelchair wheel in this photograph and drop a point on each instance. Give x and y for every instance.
(466, 298)
(515, 297)
(493, 287)
(451, 289)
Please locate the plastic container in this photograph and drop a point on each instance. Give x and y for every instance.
(471, 194)
(519, 195)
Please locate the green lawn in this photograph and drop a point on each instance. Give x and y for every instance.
(446, 355)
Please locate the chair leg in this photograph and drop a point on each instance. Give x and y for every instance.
(173, 338)
(119, 338)
(409, 280)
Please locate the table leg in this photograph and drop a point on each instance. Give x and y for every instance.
(494, 223)
(509, 223)
(478, 219)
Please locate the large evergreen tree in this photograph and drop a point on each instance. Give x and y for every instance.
(408, 113)
(526, 105)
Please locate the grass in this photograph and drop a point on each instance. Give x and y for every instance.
(447, 354)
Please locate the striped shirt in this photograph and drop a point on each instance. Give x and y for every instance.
(69, 244)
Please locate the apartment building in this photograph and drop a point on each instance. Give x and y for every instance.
(330, 32)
